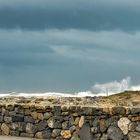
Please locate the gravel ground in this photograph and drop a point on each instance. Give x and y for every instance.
(14, 138)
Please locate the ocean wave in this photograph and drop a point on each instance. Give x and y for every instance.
(98, 89)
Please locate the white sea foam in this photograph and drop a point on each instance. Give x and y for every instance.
(98, 89)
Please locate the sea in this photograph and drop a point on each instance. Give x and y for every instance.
(98, 89)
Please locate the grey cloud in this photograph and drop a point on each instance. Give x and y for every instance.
(61, 47)
(66, 60)
(88, 15)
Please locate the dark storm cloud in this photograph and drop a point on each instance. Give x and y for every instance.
(80, 14)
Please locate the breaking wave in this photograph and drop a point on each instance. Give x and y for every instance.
(98, 89)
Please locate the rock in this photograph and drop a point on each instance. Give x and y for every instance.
(123, 124)
(20, 111)
(132, 126)
(12, 113)
(66, 134)
(47, 115)
(118, 110)
(135, 110)
(13, 126)
(4, 112)
(138, 127)
(65, 113)
(72, 128)
(87, 111)
(56, 133)
(135, 118)
(112, 121)
(27, 111)
(40, 116)
(94, 130)
(104, 137)
(34, 115)
(18, 118)
(96, 122)
(71, 121)
(75, 136)
(97, 136)
(81, 121)
(39, 107)
(76, 122)
(7, 119)
(26, 106)
(85, 133)
(65, 125)
(52, 123)
(114, 133)
(1, 119)
(103, 125)
(125, 137)
(29, 119)
(5, 129)
(10, 107)
(39, 135)
(42, 125)
(30, 128)
(22, 126)
(133, 136)
(47, 134)
(57, 110)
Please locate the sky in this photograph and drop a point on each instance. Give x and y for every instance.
(68, 45)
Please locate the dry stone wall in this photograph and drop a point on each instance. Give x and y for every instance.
(70, 122)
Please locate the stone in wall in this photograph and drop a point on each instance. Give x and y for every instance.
(53, 123)
(47, 115)
(118, 111)
(75, 136)
(133, 136)
(30, 128)
(47, 134)
(123, 124)
(29, 119)
(5, 129)
(17, 118)
(85, 133)
(42, 125)
(114, 133)
(56, 133)
(132, 126)
(39, 135)
(81, 121)
(66, 134)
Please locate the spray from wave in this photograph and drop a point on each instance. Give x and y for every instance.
(112, 87)
(98, 89)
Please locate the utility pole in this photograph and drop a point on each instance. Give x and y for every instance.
(106, 91)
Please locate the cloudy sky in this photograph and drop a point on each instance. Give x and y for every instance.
(68, 45)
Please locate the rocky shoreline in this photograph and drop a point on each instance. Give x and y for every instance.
(127, 99)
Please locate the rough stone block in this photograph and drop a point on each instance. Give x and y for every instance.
(7, 119)
(42, 125)
(118, 111)
(1, 119)
(18, 118)
(29, 119)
